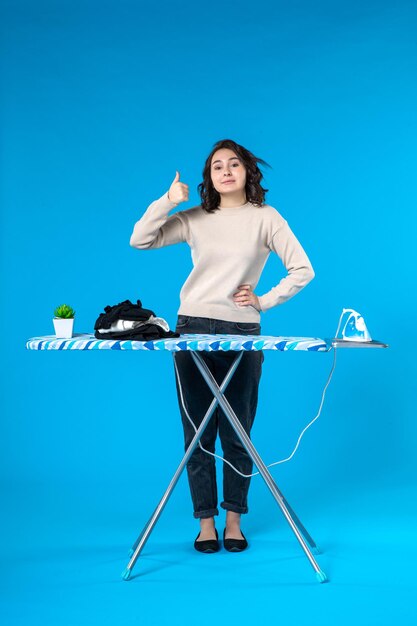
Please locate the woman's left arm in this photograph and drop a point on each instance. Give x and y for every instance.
(297, 264)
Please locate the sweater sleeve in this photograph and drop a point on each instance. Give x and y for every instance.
(155, 229)
(296, 262)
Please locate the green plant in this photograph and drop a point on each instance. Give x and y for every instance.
(64, 311)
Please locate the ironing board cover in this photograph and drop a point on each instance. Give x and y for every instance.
(198, 342)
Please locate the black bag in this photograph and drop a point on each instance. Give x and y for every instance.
(134, 313)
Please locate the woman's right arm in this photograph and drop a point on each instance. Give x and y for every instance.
(155, 229)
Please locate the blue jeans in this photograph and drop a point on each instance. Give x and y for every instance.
(242, 394)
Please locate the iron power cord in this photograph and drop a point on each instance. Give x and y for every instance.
(299, 438)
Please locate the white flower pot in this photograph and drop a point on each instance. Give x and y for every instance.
(63, 327)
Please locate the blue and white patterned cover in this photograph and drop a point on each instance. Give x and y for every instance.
(184, 342)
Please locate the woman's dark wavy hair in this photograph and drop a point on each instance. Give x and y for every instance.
(255, 193)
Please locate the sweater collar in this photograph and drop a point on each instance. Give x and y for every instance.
(233, 209)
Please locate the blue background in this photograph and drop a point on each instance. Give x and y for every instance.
(101, 103)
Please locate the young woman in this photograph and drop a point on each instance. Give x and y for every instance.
(231, 235)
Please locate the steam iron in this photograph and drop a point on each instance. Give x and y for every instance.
(353, 328)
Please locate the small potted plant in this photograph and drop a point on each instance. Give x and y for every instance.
(64, 321)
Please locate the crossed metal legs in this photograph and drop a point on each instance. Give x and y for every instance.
(219, 398)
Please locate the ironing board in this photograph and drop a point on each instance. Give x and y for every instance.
(196, 343)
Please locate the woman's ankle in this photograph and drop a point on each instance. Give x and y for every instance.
(232, 519)
(206, 523)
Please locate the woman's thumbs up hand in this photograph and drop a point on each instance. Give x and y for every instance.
(178, 192)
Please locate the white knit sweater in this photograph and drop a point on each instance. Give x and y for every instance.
(228, 248)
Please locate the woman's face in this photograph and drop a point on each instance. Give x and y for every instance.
(228, 174)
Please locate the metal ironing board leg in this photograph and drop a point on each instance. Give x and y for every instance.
(313, 546)
(241, 433)
(144, 535)
(292, 519)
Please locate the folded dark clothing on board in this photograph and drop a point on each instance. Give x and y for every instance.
(131, 321)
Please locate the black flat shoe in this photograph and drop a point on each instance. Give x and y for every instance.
(234, 545)
(207, 545)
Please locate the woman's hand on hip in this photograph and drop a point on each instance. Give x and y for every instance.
(246, 297)
(178, 192)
